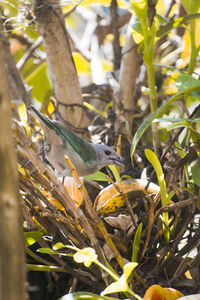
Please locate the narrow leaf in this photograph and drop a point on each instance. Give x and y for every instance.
(46, 251)
(151, 156)
(147, 122)
(136, 243)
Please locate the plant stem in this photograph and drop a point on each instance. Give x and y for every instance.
(153, 101)
(194, 50)
(106, 269)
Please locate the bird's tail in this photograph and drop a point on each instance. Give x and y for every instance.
(39, 115)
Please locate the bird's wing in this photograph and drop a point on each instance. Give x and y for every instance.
(80, 145)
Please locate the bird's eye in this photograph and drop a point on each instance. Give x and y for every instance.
(107, 152)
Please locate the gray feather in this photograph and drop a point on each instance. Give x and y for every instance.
(86, 157)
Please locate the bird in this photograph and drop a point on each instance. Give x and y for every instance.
(86, 157)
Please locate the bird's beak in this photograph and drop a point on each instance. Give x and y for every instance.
(119, 162)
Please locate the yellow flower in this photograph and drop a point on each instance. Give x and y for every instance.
(86, 256)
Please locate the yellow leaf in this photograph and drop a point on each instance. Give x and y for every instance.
(156, 292)
(23, 116)
(121, 3)
(118, 286)
(73, 191)
(160, 7)
(82, 65)
(109, 199)
(56, 203)
(185, 54)
(128, 268)
(107, 66)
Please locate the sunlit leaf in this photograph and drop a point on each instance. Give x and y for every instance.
(158, 292)
(23, 117)
(58, 246)
(160, 7)
(39, 80)
(110, 198)
(82, 65)
(47, 251)
(22, 113)
(32, 237)
(128, 269)
(165, 29)
(121, 3)
(184, 82)
(147, 122)
(190, 6)
(115, 172)
(152, 158)
(118, 286)
(140, 8)
(98, 176)
(73, 191)
(44, 268)
(107, 65)
(94, 109)
(137, 32)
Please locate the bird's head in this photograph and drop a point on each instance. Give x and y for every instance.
(107, 156)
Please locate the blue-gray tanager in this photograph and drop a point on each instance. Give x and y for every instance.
(87, 157)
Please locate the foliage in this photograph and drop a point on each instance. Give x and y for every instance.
(118, 215)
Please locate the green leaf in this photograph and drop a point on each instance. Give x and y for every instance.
(136, 243)
(140, 8)
(98, 176)
(169, 197)
(38, 79)
(59, 246)
(165, 29)
(147, 122)
(196, 120)
(196, 174)
(190, 6)
(195, 135)
(179, 149)
(115, 172)
(184, 82)
(178, 125)
(44, 268)
(137, 32)
(46, 251)
(11, 9)
(32, 237)
(152, 158)
(94, 109)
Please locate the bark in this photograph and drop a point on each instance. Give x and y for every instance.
(129, 71)
(12, 268)
(18, 89)
(115, 30)
(60, 61)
